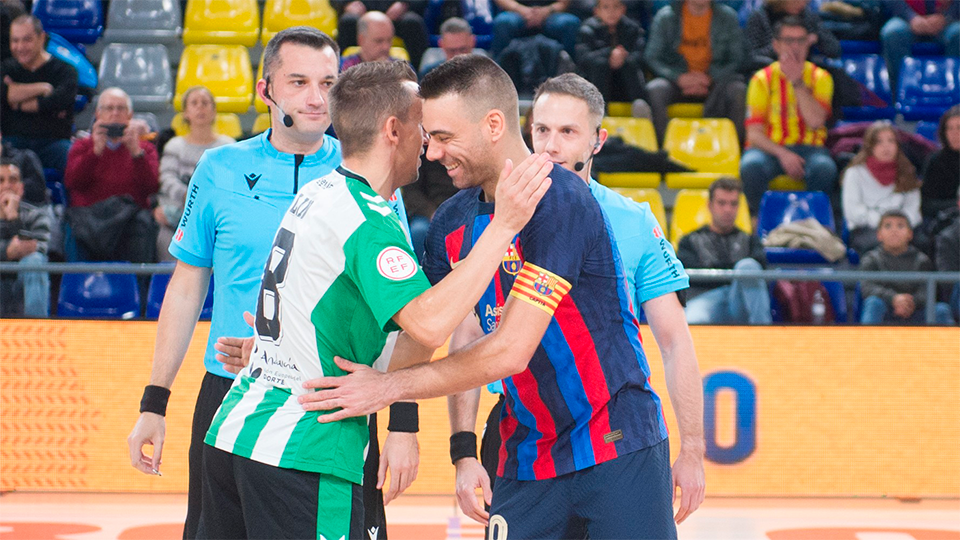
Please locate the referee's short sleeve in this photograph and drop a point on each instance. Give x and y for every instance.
(193, 241)
(660, 271)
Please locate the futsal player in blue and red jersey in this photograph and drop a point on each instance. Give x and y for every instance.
(585, 443)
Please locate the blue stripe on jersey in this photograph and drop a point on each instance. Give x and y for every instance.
(526, 448)
(574, 395)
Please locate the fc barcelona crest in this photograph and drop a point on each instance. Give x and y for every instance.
(545, 284)
(511, 261)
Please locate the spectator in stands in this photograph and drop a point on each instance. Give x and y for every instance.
(375, 37)
(180, 157)
(9, 10)
(948, 259)
(24, 233)
(896, 301)
(530, 17)
(406, 17)
(761, 31)
(695, 50)
(456, 38)
(721, 244)
(788, 104)
(941, 175)
(38, 94)
(879, 178)
(114, 161)
(610, 55)
(913, 20)
(31, 173)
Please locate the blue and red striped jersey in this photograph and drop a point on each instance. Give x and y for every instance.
(585, 396)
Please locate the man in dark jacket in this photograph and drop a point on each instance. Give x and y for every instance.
(695, 50)
(24, 233)
(407, 18)
(610, 55)
(721, 245)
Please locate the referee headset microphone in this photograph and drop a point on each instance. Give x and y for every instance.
(578, 166)
(287, 119)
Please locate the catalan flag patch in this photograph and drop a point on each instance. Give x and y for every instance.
(540, 287)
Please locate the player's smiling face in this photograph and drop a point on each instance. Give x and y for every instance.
(457, 142)
(562, 130)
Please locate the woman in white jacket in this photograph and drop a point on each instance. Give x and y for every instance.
(879, 178)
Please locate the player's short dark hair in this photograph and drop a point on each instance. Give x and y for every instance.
(481, 83)
(790, 21)
(364, 97)
(299, 35)
(27, 18)
(573, 85)
(726, 183)
(893, 214)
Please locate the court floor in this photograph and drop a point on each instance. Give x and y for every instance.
(59, 516)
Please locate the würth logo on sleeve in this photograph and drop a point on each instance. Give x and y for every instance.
(396, 264)
(252, 179)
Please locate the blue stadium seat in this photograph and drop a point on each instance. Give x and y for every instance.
(144, 21)
(870, 71)
(928, 130)
(928, 87)
(779, 207)
(158, 288)
(79, 21)
(848, 46)
(99, 296)
(58, 193)
(86, 74)
(927, 48)
(142, 71)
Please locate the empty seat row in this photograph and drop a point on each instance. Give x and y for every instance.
(100, 295)
(928, 87)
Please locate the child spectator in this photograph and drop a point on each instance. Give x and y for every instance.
(941, 175)
(879, 178)
(180, 157)
(895, 301)
(610, 55)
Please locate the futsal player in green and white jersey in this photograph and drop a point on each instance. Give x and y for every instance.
(340, 276)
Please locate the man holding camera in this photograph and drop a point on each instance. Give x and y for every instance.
(114, 160)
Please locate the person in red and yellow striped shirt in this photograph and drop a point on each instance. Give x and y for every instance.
(788, 105)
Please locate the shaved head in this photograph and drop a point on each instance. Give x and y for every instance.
(481, 84)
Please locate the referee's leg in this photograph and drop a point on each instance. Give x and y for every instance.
(374, 517)
(212, 390)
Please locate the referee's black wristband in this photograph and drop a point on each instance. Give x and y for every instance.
(404, 417)
(463, 444)
(155, 400)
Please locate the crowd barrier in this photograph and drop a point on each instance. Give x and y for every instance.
(790, 411)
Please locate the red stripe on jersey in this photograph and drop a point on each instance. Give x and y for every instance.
(454, 243)
(591, 374)
(528, 390)
(784, 112)
(508, 425)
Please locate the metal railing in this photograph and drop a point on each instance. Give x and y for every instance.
(931, 279)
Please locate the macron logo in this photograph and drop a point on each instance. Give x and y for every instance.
(252, 179)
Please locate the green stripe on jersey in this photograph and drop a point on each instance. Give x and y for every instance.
(242, 384)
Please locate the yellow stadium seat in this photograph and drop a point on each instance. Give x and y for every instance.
(685, 110)
(280, 14)
(650, 196)
(395, 52)
(690, 212)
(227, 124)
(637, 132)
(261, 124)
(224, 69)
(709, 146)
(785, 182)
(620, 108)
(226, 22)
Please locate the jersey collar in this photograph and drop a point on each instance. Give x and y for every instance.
(350, 174)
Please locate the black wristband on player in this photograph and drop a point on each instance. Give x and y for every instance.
(155, 400)
(463, 444)
(404, 417)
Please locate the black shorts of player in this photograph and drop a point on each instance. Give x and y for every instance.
(490, 444)
(243, 499)
(625, 498)
(212, 390)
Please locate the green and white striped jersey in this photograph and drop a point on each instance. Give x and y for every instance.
(339, 270)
